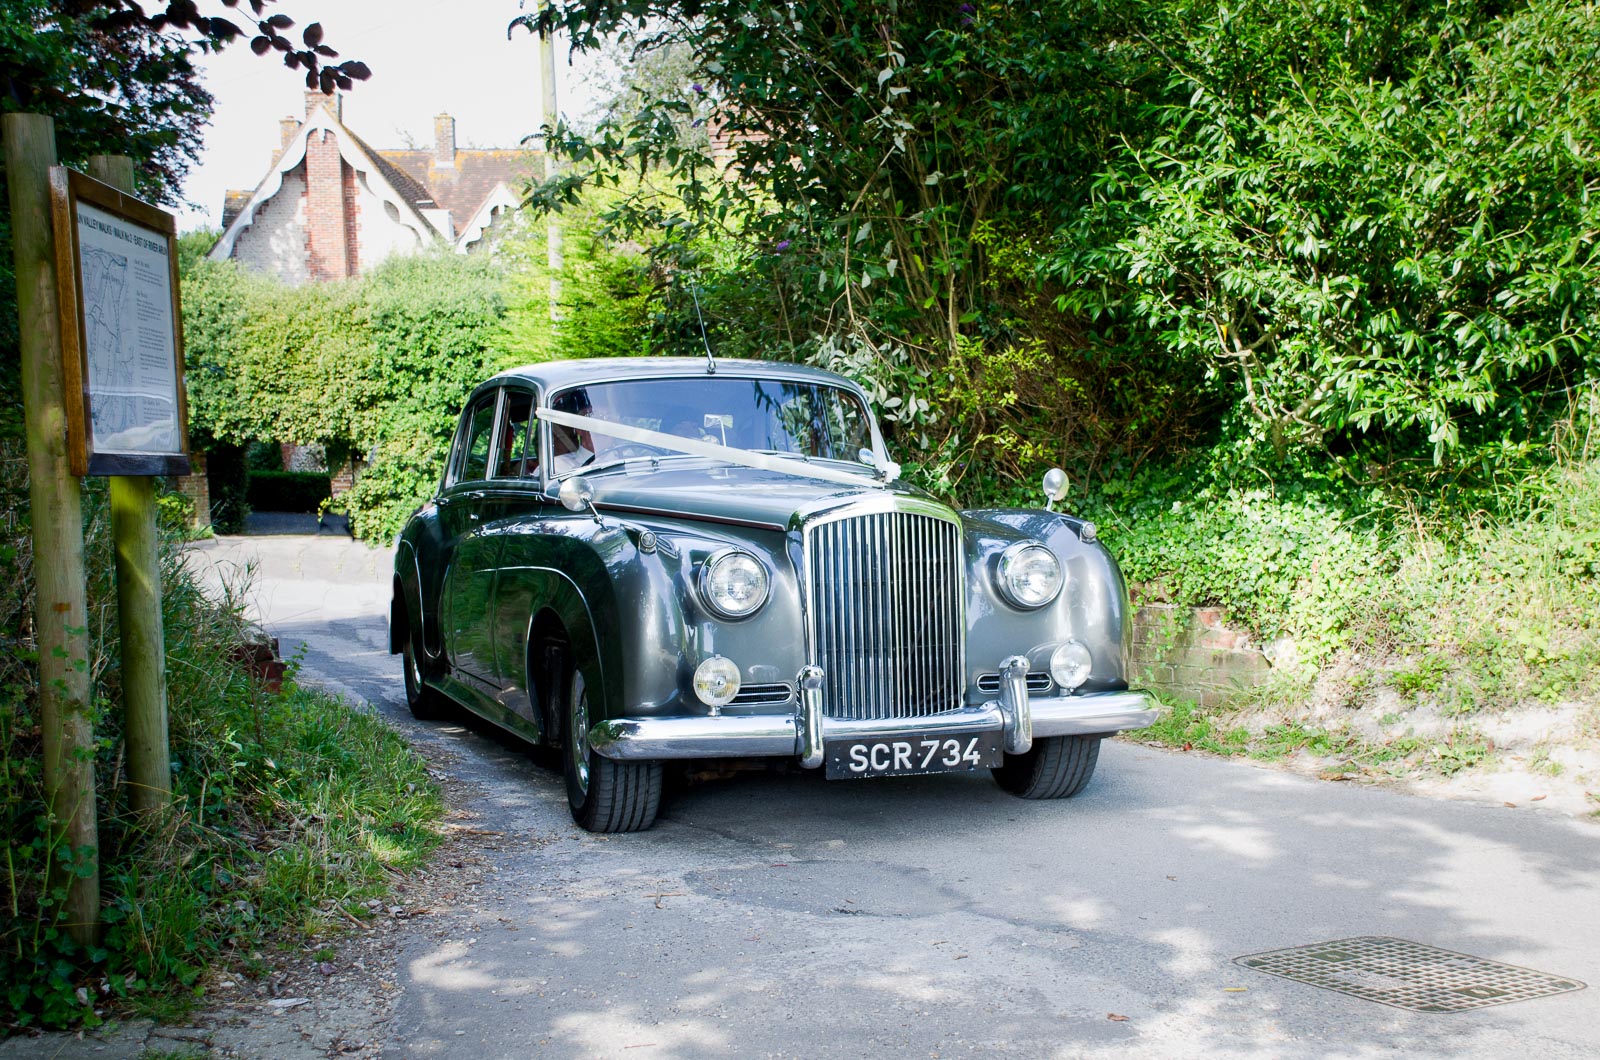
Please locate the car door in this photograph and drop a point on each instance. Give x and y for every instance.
(512, 492)
(469, 551)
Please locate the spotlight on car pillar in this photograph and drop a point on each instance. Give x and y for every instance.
(577, 494)
(1055, 487)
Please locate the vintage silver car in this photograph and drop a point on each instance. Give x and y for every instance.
(640, 560)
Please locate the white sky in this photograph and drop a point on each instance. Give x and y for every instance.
(426, 57)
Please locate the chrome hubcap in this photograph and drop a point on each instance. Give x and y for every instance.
(580, 731)
(413, 668)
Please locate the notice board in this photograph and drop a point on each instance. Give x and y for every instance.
(122, 330)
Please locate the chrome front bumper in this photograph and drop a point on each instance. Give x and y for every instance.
(1018, 716)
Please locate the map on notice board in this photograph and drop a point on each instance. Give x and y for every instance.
(132, 378)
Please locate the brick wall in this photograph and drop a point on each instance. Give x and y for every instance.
(350, 208)
(197, 488)
(1189, 653)
(344, 478)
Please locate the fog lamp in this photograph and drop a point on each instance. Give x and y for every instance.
(716, 681)
(1070, 664)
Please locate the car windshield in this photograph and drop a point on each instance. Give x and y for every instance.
(808, 420)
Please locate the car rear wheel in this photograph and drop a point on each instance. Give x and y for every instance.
(605, 795)
(427, 704)
(1057, 767)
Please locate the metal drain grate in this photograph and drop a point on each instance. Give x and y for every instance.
(1408, 975)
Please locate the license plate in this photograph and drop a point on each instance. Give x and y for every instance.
(909, 755)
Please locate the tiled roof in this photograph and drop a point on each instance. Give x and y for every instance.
(232, 202)
(462, 188)
(415, 191)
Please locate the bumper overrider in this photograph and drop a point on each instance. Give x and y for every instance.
(1017, 715)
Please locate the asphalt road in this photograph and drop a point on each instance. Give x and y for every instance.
(934, 917)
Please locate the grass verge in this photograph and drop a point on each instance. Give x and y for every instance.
(1226, 731)
(291, 809)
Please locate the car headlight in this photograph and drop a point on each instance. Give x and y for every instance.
(716, 681)
(733, 584)
(1070, 664)
(1029, 574)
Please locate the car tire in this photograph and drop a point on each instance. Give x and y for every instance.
(427, 704)
(605, 795)
(1057, 767)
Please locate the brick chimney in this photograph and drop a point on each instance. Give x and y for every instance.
(444, 141)
(287, 127)
(335, 104)
(330, 209)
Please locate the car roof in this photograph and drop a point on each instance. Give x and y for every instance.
(555, 375)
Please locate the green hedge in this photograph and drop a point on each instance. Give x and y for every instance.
(288, 491)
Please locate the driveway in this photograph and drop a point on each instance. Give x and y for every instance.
(787, 916)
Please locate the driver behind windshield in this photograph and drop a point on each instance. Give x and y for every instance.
(571, 447)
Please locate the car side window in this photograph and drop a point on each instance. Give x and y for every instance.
(519, 454)
(474, 460)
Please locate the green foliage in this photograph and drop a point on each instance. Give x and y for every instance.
(377, 366)
(1296, 554)
(1371, 230)
(1368, 225)
(290, 809)
(604, 304)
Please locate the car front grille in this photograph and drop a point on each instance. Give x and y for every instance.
(885, 592)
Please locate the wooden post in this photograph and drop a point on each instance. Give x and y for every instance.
(60, 609)
(548, 116)
(144, 655)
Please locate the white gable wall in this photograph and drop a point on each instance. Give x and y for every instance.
(378, 227)
(275, 242)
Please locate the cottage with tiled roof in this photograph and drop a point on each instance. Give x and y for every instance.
(330, 206)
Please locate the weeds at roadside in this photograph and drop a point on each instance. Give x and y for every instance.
(1189, 727)
(288, 808)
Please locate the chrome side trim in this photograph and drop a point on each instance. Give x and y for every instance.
(1015, 706)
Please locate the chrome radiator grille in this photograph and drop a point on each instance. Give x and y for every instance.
(885, 601)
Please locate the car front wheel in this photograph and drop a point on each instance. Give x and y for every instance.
(1057, 767)
(605, 796)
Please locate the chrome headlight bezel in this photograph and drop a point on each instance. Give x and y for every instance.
(706, 586)
(1010, 568)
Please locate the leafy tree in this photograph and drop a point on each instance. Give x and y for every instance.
(1364, 223)
(1133, 226)
(119, 80)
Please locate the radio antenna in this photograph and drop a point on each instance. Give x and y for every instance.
(711, 362)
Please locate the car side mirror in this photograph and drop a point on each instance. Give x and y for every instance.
(1055, 487)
